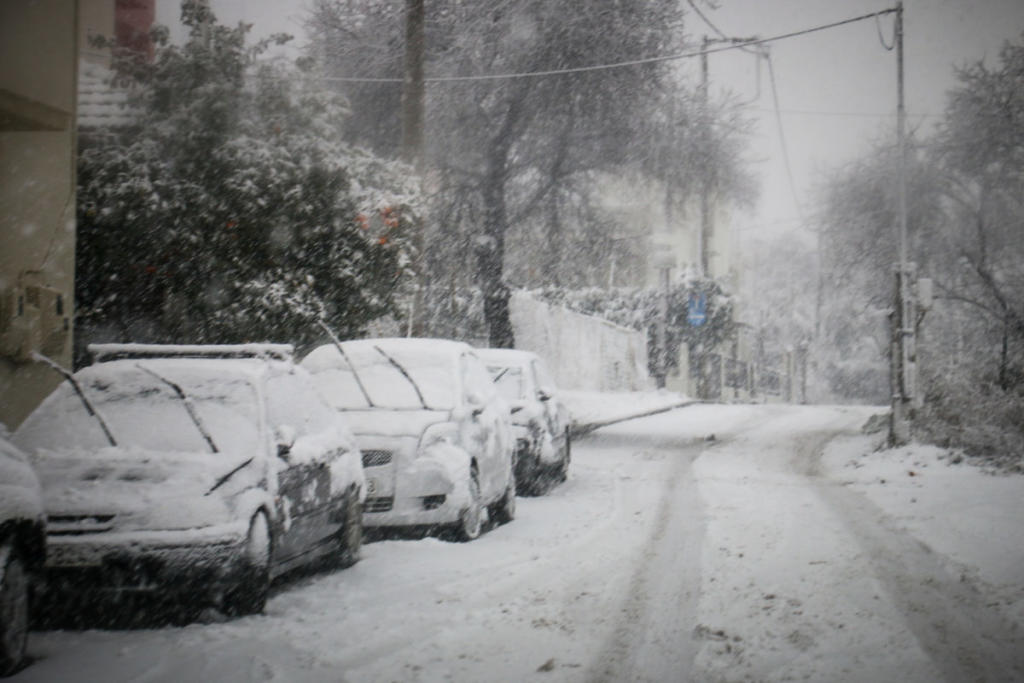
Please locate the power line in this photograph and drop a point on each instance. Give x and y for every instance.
(707, 21)
(615, 65)
(853, 114)
(782, 136)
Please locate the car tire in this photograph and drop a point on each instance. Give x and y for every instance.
(504, 511)
(249, 594)
(350, 537)
(14, 614)
(563, 466)
(471, 518)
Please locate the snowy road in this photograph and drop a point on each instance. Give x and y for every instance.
(665, 557)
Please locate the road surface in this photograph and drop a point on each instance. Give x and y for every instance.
(702, 544)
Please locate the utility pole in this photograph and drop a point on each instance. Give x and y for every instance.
(413, 96)
(903, 320)
(706, 225)
(413, 90)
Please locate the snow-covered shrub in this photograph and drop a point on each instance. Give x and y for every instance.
(233, 210)
(972, 412)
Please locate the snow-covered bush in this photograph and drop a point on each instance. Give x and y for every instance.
(963, 410)
(233, 210)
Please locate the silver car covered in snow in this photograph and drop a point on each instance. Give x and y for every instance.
(435, 436)
(540, 421)
(202, 471)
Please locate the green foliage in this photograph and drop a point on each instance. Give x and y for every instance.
(233, 210)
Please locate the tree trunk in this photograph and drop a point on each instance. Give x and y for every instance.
(491, 253)
(491, 248)
(1004, 355)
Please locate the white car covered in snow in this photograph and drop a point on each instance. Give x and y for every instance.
(199, 470)
(22, 550)
(540, 421)
(434, 434)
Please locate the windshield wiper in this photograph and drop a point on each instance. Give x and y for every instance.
(419, 394)
(78, 390)
(189, 408)
(227, 476)
(355, 375)
(500, 375)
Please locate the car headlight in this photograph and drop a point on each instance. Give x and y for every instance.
(440, 433)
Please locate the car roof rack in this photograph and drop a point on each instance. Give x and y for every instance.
(109, 352)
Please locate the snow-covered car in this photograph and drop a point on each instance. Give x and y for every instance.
(22, 550)
(435, 435)
(540, 421)
(203, 471)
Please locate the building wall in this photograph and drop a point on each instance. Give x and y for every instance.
(38, 52)
(95, 19)
(581, 351)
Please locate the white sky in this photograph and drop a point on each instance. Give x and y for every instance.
(848, 77)
(837, 88)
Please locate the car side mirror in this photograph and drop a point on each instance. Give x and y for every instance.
(284, 437)
(475, 402)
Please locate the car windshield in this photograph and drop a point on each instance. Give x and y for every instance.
(145, 413)
(509, 380)
(383, 382)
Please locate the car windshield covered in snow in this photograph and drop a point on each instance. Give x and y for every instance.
(386, 376)
(143, 411)
(509, 380)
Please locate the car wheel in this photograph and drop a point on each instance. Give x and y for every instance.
(563, 466)
(249, 594)
(505, 509)
(350, 538)
(13, 610)
(471, 518)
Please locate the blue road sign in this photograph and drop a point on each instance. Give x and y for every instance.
(697, 309)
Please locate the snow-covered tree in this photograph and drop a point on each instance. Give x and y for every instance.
(517, 161)
(233, 210)
(966, 230)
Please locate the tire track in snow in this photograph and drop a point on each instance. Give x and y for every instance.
(652, 639)
(966, 639)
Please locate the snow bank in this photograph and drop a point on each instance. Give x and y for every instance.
(591, 409)
(969, 516)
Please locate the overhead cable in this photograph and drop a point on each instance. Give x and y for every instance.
(614, 65)
(782, 137)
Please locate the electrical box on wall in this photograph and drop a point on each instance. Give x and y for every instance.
(32, 318)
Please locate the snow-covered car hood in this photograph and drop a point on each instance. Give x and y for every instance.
(393, 423)
(141, 489)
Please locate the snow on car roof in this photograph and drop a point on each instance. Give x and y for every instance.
(108, 352)
(417, 345)
(507, 356)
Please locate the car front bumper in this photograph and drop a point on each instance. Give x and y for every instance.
(147, 561)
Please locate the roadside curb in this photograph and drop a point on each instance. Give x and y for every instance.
(580, 429)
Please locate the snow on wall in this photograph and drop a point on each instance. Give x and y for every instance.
(581, 351)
